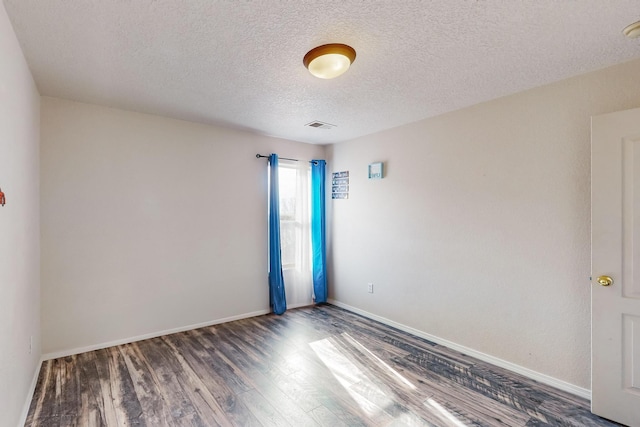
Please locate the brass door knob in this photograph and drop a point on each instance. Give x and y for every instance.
(605, 280)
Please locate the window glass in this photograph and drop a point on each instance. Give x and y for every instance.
(287, 176)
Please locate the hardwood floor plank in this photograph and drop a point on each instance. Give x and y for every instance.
(313, 366)
(558, 412)
(270, 344)
(120, 403)
(350, 407)
(359, 333)
(195, 388)
(326, 418)
(146, 389)
(230, 361)
(50, 413)
(263, 410)
(127, 403)
(68, 378)
(380, 384)
(92, 411)
(204, 392)
(38, 399)
(396, 409)
(162, 394)
(291, 411)
(397, 342)
(238, 351)
(466, 404)
(322, 384)
(168, 383)
(301, 394)
(89, 415)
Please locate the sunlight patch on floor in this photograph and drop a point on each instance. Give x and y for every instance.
(379, 361)
(348, 374)
(445, 415)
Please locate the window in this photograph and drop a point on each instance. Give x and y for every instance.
(295, 230)
(290, 224)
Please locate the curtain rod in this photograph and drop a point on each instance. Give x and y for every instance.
(284, 158)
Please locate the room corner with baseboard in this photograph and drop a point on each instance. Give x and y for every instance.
(19, 229)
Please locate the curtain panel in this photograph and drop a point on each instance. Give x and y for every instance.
(277, 297)
(319, 259)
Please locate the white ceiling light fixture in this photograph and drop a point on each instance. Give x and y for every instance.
(632, 31)
(330, 60)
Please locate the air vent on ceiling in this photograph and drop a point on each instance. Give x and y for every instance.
(320, 125)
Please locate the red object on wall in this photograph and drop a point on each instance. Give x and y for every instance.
(3, 200)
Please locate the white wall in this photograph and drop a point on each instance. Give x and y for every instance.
(19, 227)
(149, 223)
(480, 231)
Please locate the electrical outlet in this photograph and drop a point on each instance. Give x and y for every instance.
(370, 288)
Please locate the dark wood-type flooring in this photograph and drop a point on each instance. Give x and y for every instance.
(315, 366)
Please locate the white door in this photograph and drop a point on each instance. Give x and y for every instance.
(615, 252)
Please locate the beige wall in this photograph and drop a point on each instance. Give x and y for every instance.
(480, 231)
(149, 223)
(19, 227)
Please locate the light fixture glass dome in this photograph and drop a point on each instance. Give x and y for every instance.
(330, 60)
(329, 66)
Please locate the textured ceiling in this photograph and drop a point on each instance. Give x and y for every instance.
(239, 63)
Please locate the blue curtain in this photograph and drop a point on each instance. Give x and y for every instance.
(319, 256)
(277, 297)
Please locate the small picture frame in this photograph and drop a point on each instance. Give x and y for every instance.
(376, 170)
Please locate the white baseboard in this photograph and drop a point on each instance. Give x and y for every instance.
(78, 350)
(32, 389)
(545, 379)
